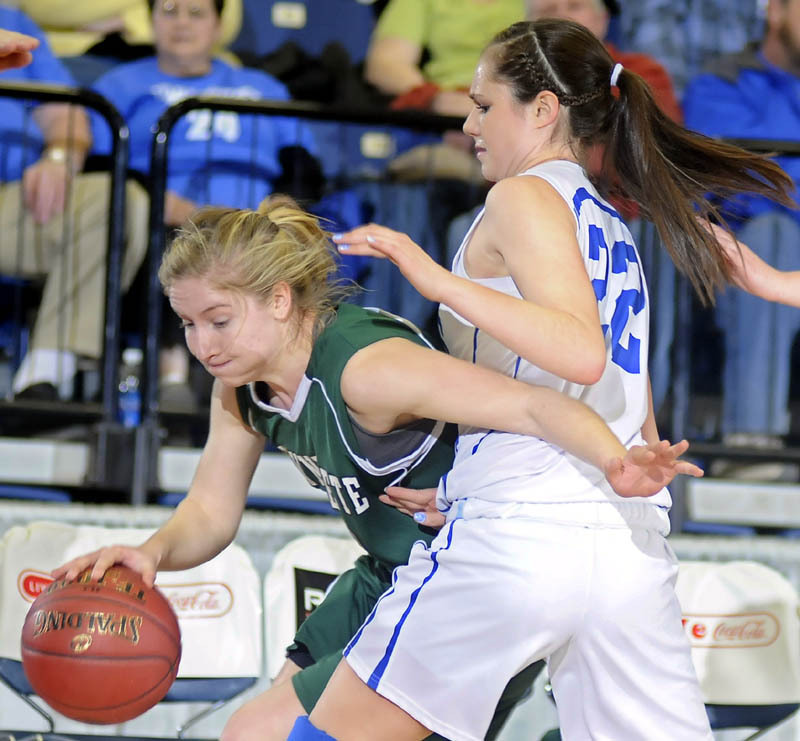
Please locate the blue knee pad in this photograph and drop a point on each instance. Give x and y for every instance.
(305, 730)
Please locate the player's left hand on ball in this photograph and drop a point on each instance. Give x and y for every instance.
(101, 560)
(646, 469)
(417, 503)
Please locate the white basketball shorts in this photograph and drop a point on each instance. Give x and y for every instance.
(490, 596)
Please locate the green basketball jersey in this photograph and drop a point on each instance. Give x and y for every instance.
(320, 437)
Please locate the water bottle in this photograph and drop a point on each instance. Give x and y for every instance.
(130, 395)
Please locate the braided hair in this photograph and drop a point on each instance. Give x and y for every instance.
(673, 174)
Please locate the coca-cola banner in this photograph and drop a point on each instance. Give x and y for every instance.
(218, 604)
(741, 620)
(743, 630)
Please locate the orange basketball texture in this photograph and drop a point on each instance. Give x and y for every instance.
(101, 651)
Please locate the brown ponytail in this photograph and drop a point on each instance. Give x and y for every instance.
(673, 174)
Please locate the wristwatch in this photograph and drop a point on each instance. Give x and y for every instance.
(58, 153)
(55, 154)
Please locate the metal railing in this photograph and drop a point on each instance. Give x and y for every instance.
(149, 434)
(104, 414)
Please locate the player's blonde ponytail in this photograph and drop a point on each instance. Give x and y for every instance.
(251, 251)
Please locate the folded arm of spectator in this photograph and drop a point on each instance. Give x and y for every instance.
(392, 65)
(67, 139)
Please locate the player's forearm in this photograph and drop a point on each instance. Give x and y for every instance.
(765, 281)
(780, 286)
(572, 426)
(758, 277)
(649, 428)
(552, 339)
(207, 519)
(190, 537)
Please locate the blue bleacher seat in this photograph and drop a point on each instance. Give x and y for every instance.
(716, 528)
(311, 24)
(13, 336)
(760, 717)
(359, 151)
(39, 493)
(306, 506)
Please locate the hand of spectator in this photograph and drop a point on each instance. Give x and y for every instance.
(647, 469)
(417, 503)
(177, 209)
(419, 268)
(44, 188)
(15, 49)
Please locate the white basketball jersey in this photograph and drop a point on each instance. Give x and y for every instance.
(495, 467)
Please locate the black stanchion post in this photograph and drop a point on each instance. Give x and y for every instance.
(681, 389)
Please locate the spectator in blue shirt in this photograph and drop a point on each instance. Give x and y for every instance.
(754, 94)
(221, 158)
(224, 159)
(54, 222)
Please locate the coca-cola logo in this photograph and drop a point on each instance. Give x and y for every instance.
(745, 630)
(200, 600)
(32, 583)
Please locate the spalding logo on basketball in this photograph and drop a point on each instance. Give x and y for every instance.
(101, 651)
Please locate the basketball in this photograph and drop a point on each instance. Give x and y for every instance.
(101, 651)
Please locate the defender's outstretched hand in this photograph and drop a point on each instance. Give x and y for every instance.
(646, 469)
(419, 268)
(417, 503)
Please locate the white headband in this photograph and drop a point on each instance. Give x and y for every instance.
(615, 73)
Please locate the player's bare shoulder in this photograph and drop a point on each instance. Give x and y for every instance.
(522, 203)
(375, 382)
(520, 213)
(515, 192)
